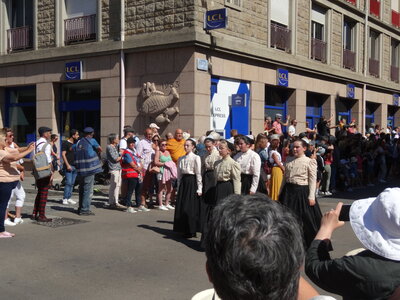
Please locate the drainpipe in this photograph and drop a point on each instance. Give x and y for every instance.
(364, 96)
(122, 70)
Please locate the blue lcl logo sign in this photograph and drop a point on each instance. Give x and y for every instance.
(215, 19)
(351, 91)
(283, 77)
(73, 70)
(396, 100)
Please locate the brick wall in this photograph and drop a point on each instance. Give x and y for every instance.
(46, 23)
(144, 16)
(303, 27)
(336, 39)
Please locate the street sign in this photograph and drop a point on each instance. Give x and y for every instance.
(282, 77)
(202, 64)
(216, 19)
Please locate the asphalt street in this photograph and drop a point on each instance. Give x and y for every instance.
(117, 255)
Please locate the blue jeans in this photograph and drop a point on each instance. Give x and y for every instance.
(133, 185)
(5, 193)
(70, 177)
(85, 192)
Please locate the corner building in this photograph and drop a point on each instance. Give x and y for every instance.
(70, 64)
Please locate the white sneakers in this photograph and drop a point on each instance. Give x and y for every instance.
(18, 221)
(131, 210)
(162, 207)
(68, 201)
(8, 222)
(170, 207)
(143, 208)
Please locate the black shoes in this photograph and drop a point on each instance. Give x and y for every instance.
(86, 213)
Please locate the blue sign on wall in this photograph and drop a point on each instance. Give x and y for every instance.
(73, 70)
(238, 100)
(215, 19)
(282, 77)
(396, 100)
(350, 91)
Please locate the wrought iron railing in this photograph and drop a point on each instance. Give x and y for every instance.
(280, 37)
(318, 50)
(19, 38)
(80, 29)
(349, 59)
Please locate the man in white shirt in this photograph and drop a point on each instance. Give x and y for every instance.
(43, 184)
(292, 128)
(128, 132)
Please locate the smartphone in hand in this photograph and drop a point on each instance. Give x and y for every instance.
(345, 213)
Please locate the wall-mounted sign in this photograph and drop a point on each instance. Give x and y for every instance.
(238, 100)
(202, 64)
(350, 91)
(73, 70)
(282, 77)
(216, 19)
(396, 100)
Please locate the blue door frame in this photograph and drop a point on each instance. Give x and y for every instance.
(311, 117)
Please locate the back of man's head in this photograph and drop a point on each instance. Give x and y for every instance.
(254, 249)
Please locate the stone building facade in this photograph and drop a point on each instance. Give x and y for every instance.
(338, 57)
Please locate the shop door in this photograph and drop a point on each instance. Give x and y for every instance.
(343, 110)
(276, 103)
(80, 107)
(313, 109)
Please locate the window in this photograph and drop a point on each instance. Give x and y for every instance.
(280, 31)
(349, 44)
(374, 53)
(395, 13)
(21, 13)
(394, 67)
(80, 23)
(318, 44)
(234, 3)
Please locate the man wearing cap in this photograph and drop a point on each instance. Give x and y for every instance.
(373, 273)
(128, 132)
(42, 184)
(87, 164)
(154, 127)
(277, 125)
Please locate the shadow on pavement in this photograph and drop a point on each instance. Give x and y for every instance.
(64, 208)
(170, 234)
(165, 222)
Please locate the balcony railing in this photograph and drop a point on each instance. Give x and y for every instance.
(80, 29)
(349, 59)
(318, 50)
(374, 67)
(394, 73)
(19, 38)
(280, 37)
(375, 7)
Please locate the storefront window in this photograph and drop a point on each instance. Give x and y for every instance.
(276, 102)
(21, 113)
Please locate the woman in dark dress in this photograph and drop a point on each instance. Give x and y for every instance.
(189, 189)
(299, 191)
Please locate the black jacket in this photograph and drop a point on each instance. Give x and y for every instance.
(364, 276)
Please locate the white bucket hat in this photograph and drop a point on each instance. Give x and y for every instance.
(376, 223)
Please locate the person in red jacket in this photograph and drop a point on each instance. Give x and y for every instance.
(131, 168)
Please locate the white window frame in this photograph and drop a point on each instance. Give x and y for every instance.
(235, 4)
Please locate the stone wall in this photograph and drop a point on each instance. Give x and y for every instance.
(386, 11)
(360, 49)
(105, 19)
(386, 57)
(46, 23)
(336, 39)
(303, 27)
(145, 16)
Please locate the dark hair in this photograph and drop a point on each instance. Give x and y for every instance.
(254, 249)
(193, 142)
(53, 136)
(243, 138)
(130, 140)
(72, 132)
(160, 141)
(303, 142)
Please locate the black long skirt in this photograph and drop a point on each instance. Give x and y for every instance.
(222, 190)
(208, 196)
(187, 206)
(247, 180)
(295, 197)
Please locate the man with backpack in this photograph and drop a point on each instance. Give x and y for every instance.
(43, 173)
(87, 164)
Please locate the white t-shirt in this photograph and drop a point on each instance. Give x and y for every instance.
(39, 144)
(291, 130)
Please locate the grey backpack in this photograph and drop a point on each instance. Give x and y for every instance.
(41, 168)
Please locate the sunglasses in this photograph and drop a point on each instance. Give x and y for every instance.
(163, 144)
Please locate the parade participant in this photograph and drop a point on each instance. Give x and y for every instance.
(69, 166)
(9, 176)
(43, 184)
(114, 167)
(18, 192)
(250, 165)
(175, 146)
(208, 177)
(131, 169)
(373, 273)
(298, 192)
(87, 165)
(277, 125)
(190, 188)
(278, 169)
(168, 172)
